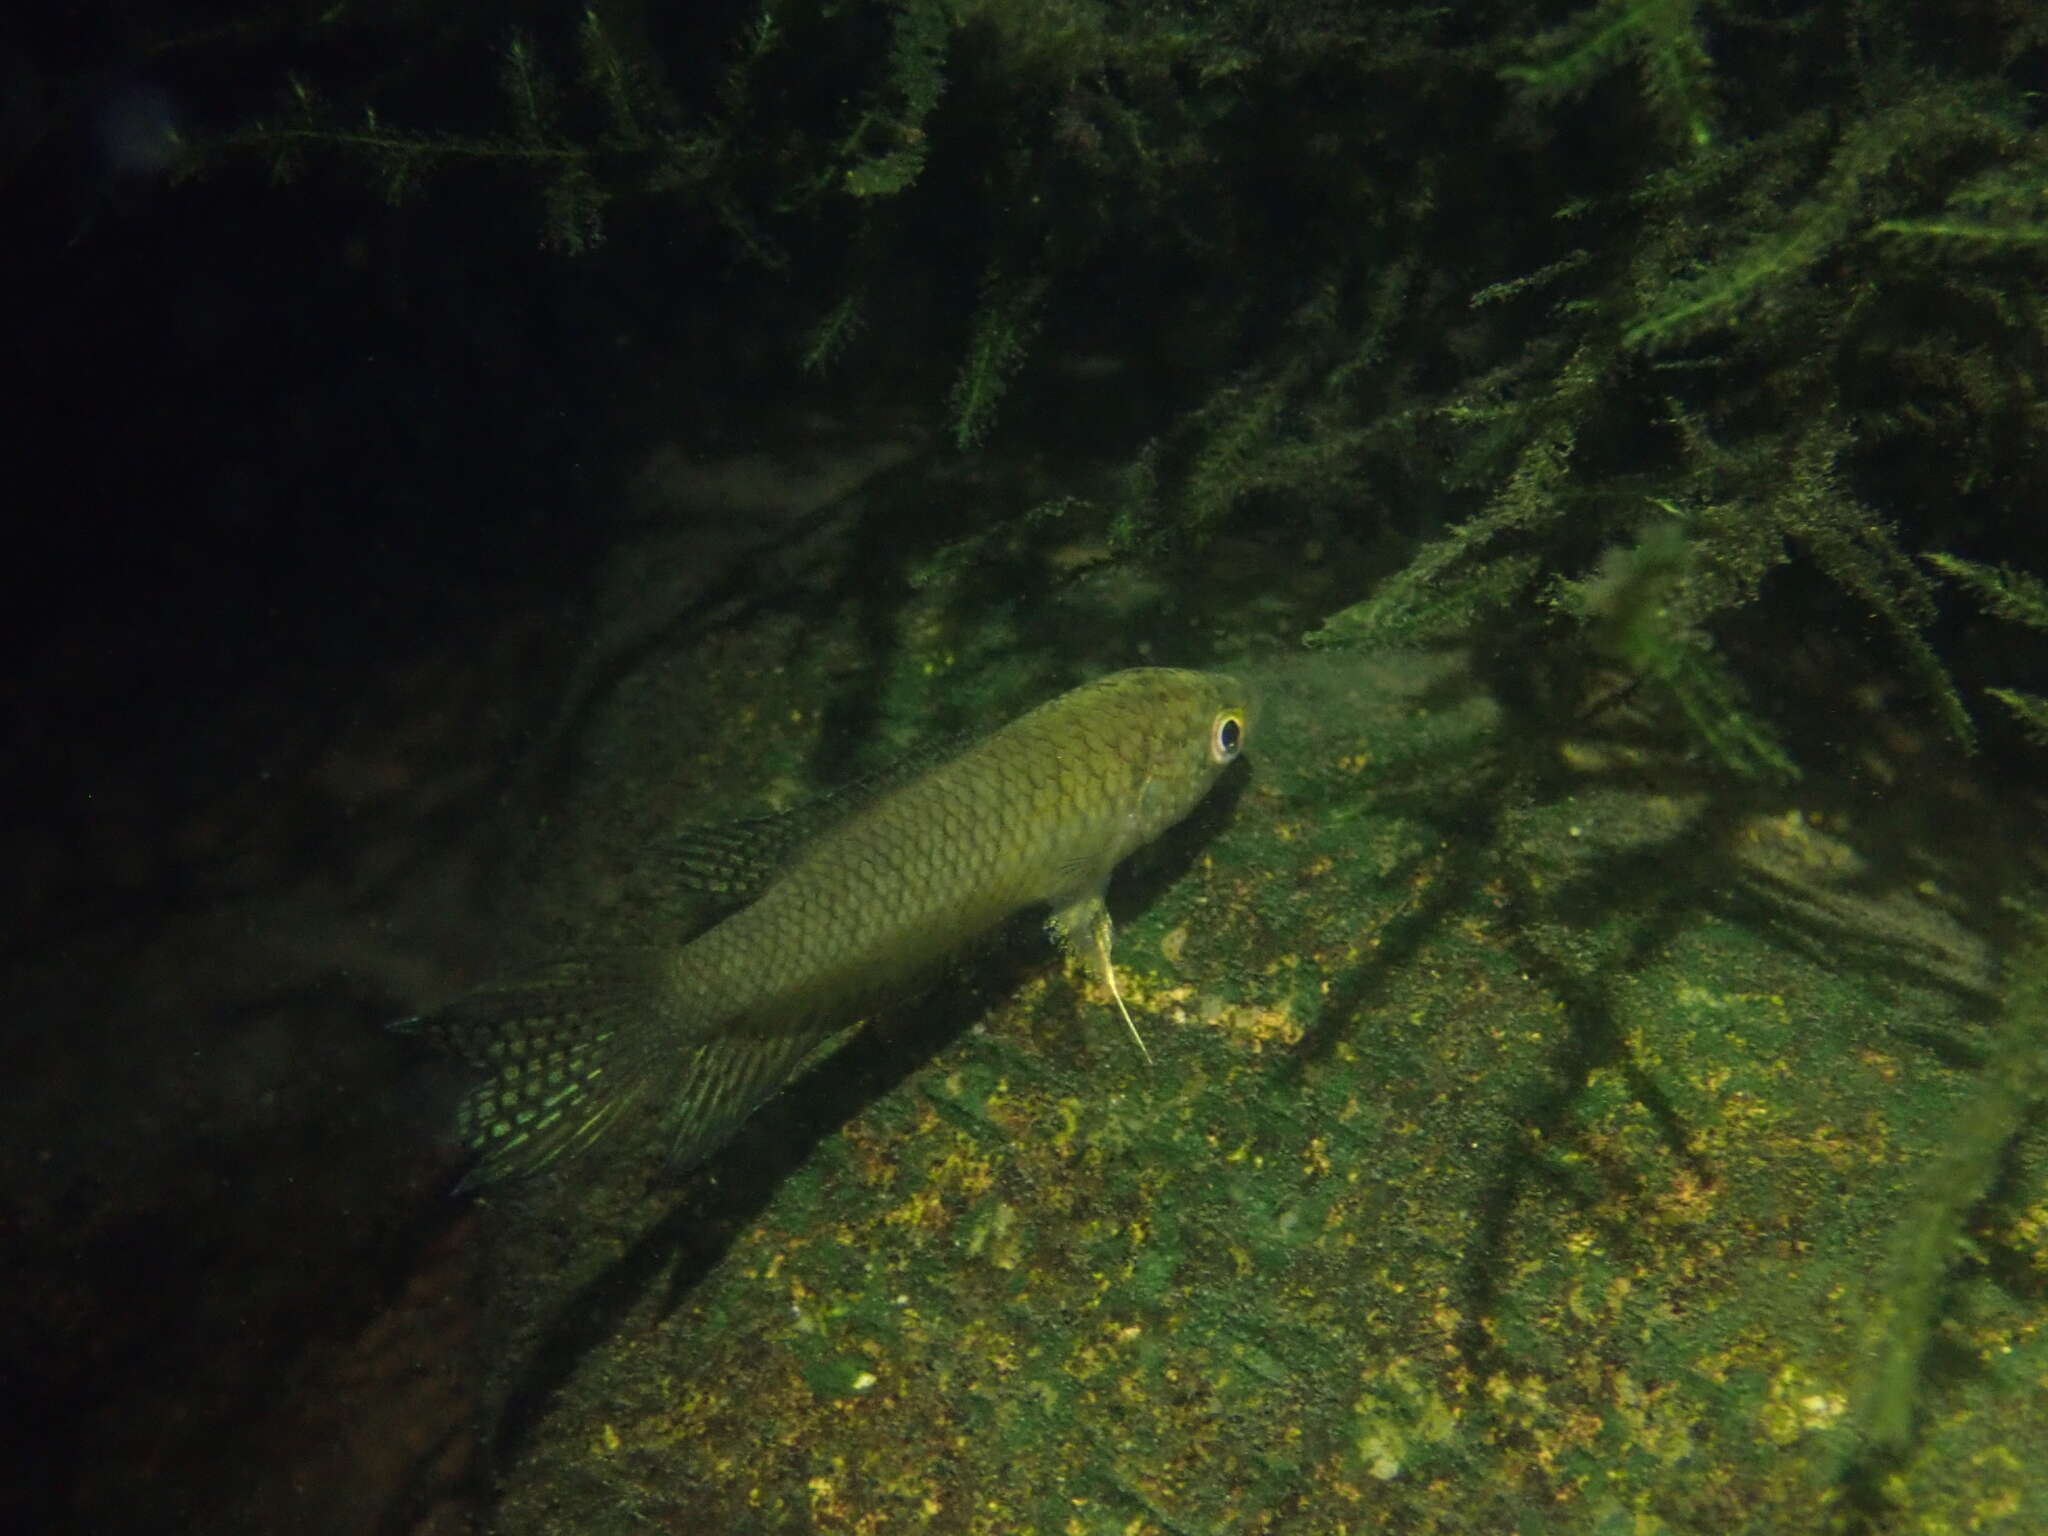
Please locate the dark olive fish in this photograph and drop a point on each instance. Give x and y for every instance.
(1037, 813)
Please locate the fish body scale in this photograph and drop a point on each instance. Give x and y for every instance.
(1037, 813)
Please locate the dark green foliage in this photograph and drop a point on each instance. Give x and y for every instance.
(2019, 598)
(574, 170)
(2016, 596)
(1762, 334)
(834, 334)
(1633, 613)
(1933, 1240)
(1496, 276)
(887, 145)
(1002, 331)
(1665, 40)
(1092, 123)
(1880, 164)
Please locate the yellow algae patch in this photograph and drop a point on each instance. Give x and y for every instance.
(1398, 1412)
(1799, 838)
(1798, 1405)
(926, 1208)
(1689, 995)
(1253, 1024)
(2030, 1234)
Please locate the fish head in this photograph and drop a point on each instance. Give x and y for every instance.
(1186, 728)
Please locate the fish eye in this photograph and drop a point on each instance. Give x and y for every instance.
(1226, 736)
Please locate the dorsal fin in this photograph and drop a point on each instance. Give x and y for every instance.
(736, 861)
(732, 863)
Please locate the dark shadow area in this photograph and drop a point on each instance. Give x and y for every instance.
(179, 1346)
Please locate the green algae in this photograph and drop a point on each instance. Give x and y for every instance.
(1518, 1155)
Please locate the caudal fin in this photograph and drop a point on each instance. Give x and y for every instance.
(568, 1050)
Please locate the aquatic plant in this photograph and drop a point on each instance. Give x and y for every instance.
(1487, 283)
(2018, 597)
(1948, 1200)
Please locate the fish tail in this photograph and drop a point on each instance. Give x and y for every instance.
(569, 1050)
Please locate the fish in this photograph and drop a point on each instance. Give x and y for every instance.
(856, 914)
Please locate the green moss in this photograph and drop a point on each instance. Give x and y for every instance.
(1002, 332)
(886, 147)
(2018, 597)
(1665, 38)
